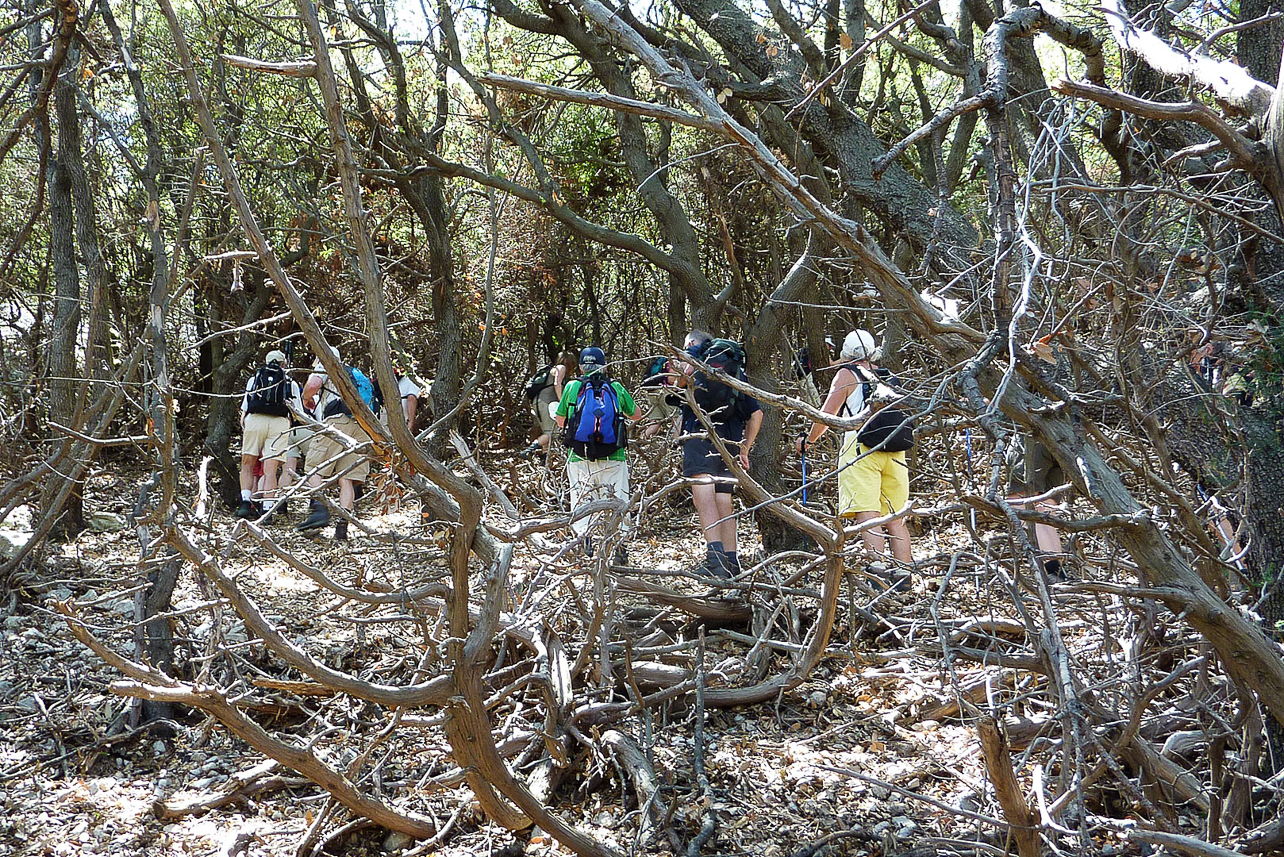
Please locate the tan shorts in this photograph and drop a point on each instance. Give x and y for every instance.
(545, 406)
(327, 453)
(266, 436)
(300, 439)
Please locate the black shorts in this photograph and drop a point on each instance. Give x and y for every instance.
(700, 458)
(1036, 472)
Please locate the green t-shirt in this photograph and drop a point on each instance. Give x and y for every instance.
(571, 394)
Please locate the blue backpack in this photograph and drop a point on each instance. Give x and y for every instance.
(595, 427)
(337, 406)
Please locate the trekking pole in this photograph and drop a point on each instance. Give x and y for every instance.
(803, 455)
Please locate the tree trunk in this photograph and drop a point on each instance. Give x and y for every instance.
(64, 373)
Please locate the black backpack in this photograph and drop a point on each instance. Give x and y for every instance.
(270, 392)
(728, 356)
(539, 382)
(891, 429)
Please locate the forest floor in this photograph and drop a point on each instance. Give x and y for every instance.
(871, 744)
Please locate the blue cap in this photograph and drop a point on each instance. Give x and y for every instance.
(592, 356)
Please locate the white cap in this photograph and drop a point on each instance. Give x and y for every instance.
(319, 366)
(859, 345)
(275, 357)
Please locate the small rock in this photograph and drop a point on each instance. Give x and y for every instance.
(199, 757)
(880, 792)
(158, 747)
(397, 841)
(62, 593)
(928, 725)
(881, 828)
(105, 522)
(12, 623)
(12, 542)
(1109, 850)
(29, 703)
(122, 607)
(817, 698)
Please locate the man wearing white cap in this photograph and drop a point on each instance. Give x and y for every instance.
(270, 396)
(873, 477)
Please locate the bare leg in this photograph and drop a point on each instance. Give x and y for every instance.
(269, 477)
(706, 504)
(247, 473)
(873, 539)
(726, 531)
(347, 493)
(900, 536)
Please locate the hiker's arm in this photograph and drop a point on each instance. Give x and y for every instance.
(751, 434)
(559, 380)
(839, 389)
(310, 390)
(636, 414)
(294, 400)
(245, 399)
(412, 405)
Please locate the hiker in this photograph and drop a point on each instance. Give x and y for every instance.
(270, 396)
(544, 390)
(592, 411)
(661, 408)
(1034, 472)
(331, 456)
(409, 392)
(873, 477)
(736, 418)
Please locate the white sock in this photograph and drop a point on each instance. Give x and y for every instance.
(247, 495)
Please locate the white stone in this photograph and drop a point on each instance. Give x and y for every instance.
(395, 841)
(106, 522)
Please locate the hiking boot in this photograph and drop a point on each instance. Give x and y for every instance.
(1056, 571)
(621, 556)
(532, 452)
(713, 565)
(247, 510)
(341, 531)
(318, 517)
(885, 579)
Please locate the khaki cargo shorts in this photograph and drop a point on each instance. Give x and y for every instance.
(265, 436)
(327, 453)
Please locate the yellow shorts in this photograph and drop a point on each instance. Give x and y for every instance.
(333, 457)
(874, 482)
(265, 436)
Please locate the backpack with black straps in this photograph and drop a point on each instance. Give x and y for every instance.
(595, 427)
(657, 373)
(889, 429)
(728, 356)
(337, 407)
(539, 382)
(271, 389)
